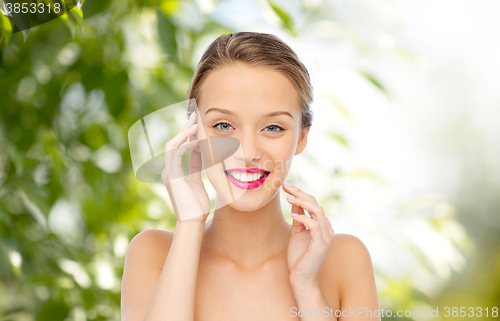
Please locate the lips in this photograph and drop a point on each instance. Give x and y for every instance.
(247, 178)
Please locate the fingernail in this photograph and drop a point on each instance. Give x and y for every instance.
(287, 183)
(294, 214)
(193, 125)
(290, 197)
(192, 114)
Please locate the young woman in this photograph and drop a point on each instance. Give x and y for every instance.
(247, 263)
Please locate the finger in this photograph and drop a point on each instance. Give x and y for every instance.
(297, 192)
(328, 229)
(312, 208)
(195, 161)
(189, 128)
(176, 154)
(315, 211)
(181, 137)
(193, 119)
(173, 159)
(193, 138)
(312, 225)
(295, 208)
(297, 226)
(195, 165)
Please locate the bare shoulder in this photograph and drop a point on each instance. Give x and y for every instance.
(348, 248)
(350, 266)
(144, 260)
(346, 255)
(347, 264)
(348, 272)
(150, 245)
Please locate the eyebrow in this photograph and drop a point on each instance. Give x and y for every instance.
(228, 112)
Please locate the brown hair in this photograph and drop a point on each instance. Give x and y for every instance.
(256, 49)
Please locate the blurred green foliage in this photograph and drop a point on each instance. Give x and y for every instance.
(66, 92)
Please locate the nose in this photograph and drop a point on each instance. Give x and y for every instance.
(249, 151)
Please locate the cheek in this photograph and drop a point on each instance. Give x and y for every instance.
(281, 156)
(282, 150)
(222, 186)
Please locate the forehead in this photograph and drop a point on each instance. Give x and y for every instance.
(244, 88)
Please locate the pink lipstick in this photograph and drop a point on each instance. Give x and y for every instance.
(247, 178)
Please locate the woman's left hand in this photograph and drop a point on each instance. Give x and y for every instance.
(307, 247)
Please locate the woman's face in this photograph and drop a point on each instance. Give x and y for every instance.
(259, 107)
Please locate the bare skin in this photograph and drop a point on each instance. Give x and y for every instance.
(247, 263)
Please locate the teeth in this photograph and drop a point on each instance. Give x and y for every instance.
(246, 177)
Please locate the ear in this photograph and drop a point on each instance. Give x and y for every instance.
(301, 144)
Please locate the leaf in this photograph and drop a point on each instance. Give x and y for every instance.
(167, 31)
(26, 33)
(169, 7)
(70, 24)
(146, 3)
(340, 139)
(374, 81)
(339, 106)
(285, 17)
(93, 7)
(6, 28)
(21, 22)
(342, 109)
(77, 16)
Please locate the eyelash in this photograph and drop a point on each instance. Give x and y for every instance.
(276, 125)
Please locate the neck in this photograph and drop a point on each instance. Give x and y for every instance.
(248, 238)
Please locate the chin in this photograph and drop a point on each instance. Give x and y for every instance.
(249, 203)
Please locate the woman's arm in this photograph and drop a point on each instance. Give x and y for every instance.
(173, 299)
(320, 261)
(312, 305)
(168, 295)
(149, 293)
(350, 265)
(309, 244)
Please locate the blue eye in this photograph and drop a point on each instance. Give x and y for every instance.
(274, 128)
(223, 126)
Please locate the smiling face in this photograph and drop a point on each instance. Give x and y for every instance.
(260, 107)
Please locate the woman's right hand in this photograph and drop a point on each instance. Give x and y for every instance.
(189, 197)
